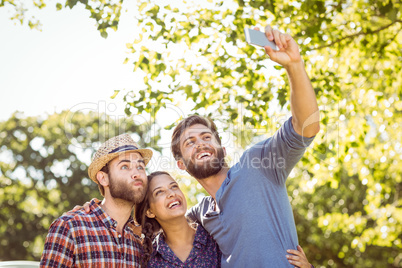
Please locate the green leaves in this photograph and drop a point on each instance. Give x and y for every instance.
(348, 50)
(71, 3)
(43, 172)
(346, 191)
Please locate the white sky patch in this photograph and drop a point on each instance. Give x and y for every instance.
(6, 157)
(37, 143)
(59, 67)
(59, 168)
(83, 154)
(69, 66)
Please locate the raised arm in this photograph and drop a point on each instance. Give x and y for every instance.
(303, 102)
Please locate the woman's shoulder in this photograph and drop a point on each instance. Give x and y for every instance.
(211, 254)
(199, 229)
(202, 236)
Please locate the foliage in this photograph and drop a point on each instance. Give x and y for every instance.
(19, 10)
(105, 13)
(346, 191)
(43, 173)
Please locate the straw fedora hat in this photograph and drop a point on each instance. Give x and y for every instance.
(111, 149)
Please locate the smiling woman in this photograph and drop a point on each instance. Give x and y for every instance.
(170, 241)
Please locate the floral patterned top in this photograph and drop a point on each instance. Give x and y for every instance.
(205, 252)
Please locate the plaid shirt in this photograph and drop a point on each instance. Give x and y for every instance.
(91, 240)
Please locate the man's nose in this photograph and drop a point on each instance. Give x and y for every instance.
(199, 143)
(135, 173)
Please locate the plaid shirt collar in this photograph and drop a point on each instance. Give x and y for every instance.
(102, 216)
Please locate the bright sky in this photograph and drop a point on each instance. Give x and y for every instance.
(65, 66)
(68, 65)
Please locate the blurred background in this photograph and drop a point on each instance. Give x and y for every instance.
(75, 73)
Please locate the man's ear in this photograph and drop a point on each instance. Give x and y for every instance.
(150, 214)
(180, 164)
(102, 178)
(224, 151)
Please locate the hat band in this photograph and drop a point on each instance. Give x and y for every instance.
(123, 148)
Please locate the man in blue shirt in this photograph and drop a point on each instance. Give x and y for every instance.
(248, 211)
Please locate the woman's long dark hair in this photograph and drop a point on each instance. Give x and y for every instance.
(150, 226)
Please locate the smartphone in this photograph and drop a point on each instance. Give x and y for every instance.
(258, 38)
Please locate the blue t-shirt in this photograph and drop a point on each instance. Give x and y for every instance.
(205, 253)
(253, 223)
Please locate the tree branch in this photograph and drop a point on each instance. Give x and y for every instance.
(355, 35)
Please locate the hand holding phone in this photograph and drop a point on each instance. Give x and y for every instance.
(258, 38)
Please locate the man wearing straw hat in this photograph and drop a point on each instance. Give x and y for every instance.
(104, 237)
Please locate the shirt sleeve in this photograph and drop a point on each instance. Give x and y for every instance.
(191, 214)
(277, 155)
(59, 246)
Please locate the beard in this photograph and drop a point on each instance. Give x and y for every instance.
(207, 168)
(121, 190)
